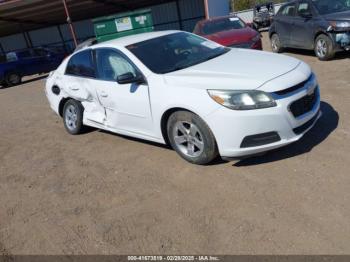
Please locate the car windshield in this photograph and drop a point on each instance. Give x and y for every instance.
(332, 6)
(215, 26)
(175, 52)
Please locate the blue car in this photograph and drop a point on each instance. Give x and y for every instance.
(17, 64)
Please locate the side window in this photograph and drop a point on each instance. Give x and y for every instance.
(25, 54)
(81, 65)
(303, 8)
(111, 64)
(10, 57)
(288, 10)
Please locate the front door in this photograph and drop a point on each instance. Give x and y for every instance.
(127, 105)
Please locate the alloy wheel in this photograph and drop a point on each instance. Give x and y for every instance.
(188, 139)
(321, 48)
(71, 117)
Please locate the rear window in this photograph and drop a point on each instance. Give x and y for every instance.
(226, 24)
(81, 65)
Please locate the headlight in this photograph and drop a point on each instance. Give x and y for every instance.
(339, 24)
(243, 100)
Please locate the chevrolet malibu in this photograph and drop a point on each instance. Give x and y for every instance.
(177, 88)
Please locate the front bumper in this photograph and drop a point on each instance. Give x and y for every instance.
(231, 127)
(341, 40)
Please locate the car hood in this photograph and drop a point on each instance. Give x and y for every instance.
(342, 16)
(238, 69)
(234, 36)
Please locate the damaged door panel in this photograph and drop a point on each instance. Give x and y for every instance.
(127, 104)
(81, 89)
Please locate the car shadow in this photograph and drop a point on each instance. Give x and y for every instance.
(133, 139)
(323, 128)
(36, 78)
(310, 53)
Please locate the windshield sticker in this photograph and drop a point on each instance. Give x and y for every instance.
(233, 19)
(123, 24)
(210, 44)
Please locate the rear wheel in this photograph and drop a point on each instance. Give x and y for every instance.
(276, 44)
(13, 79)
(73, 117)
(324, 48)
(191, 138)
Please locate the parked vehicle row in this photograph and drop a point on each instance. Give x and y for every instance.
(319, 25)
(177, 88)
(17, 64)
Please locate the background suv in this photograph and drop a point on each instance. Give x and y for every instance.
(322, 25)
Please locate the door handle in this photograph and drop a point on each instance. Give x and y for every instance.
(74, 88)
(104, 94)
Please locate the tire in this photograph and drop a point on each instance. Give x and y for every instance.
(13, 79)
(276, 45)
(73, 113)
(3, 85)
(324, 48)
(191, 138)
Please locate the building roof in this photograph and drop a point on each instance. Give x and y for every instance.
(132, 39)
(24, 15)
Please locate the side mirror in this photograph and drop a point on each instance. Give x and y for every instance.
(129, 78)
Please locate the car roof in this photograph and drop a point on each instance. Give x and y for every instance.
(133, 39)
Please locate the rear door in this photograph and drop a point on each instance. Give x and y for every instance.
(79, 84)
(302, 31)
(283, 22)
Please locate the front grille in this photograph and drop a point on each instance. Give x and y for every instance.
(294, 88)
(304, 104)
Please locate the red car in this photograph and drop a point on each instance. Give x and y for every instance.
(229, 31)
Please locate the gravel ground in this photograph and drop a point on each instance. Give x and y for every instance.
(101, 193)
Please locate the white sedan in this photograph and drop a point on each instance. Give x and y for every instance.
(174, 87)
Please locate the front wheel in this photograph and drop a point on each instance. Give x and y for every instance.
(324, 48)
(276, 44)
(73, 117)
(191, 138)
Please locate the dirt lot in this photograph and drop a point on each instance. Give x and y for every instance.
(101, 193)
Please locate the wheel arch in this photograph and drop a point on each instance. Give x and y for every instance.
(61, 105)
(272, 31)
(321, 32)
(165, 118)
